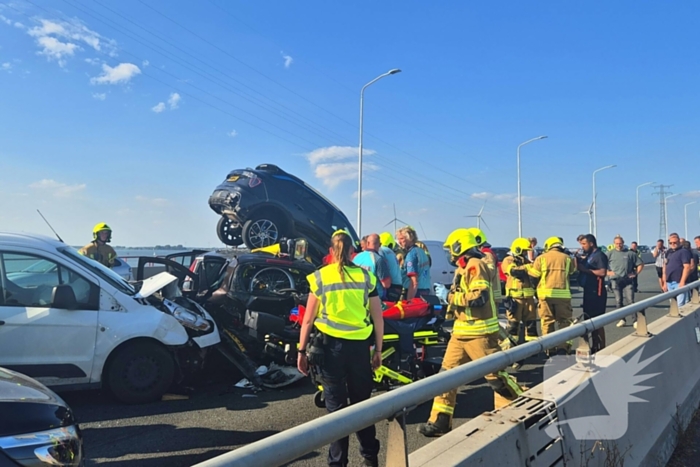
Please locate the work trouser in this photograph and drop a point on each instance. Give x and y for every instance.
(624, 291)
(555, 311)
(347, 374)
(524, 311)
(463, 350)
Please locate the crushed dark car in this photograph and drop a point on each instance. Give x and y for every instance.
(260, 206)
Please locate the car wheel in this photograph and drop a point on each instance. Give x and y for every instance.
(140, 372)
(261, 232)
(229, 232)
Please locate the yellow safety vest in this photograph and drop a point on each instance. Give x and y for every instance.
(343, 301)
(474, 322)
(516, 288)
(553, 268)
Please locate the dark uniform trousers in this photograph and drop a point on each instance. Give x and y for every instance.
(347, 376)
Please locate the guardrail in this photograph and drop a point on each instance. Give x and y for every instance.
(293, 443)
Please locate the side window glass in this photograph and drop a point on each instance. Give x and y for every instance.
(28, 281)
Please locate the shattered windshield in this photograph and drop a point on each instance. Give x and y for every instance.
(109, 276)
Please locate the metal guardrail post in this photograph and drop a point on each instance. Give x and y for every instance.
(397, 442)
(642, 330)
(674, 311)
(695, 297)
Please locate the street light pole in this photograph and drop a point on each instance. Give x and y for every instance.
(643, 184)
(666, 212)
(359, 168)
(520, 214)
(595, 205)
(685, 215)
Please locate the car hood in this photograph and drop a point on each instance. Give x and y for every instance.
(154, 284)
(28, 406)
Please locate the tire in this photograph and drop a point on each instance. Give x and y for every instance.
(262, 231)
(140, 372)
(229, 232)
(319, 400)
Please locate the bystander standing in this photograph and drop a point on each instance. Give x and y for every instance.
(693, 263)
(594, 268)
(659, 254)
(532, 253)
(371, 261)
(623, 266)
(676, 269)
(635, 248)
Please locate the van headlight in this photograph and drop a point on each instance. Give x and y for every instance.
(186, 317)
(61, 447)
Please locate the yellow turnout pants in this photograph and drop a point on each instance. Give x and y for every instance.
(555, 311)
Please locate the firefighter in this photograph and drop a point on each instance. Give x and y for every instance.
(475, 332)
(491, 261)
(520, 301)
(98, 248)
(553, 269)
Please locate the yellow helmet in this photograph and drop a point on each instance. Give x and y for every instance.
(387, 240)
(101, 227)
(520, 245)
(479, 235)
(553, 241)
(459, 242)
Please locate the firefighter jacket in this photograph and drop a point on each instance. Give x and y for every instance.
(517, 287)
(102, 253)
(343, 310)
(494, 277)
(553, 269)
(472, 297)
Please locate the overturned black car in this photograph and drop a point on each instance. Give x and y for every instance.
(260, 206)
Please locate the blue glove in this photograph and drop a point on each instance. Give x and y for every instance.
(441, 292)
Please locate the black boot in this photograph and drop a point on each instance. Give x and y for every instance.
(439, 428)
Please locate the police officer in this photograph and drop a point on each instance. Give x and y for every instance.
(475, 332)
(520, 292)
(343, 298)
(553, 269)
(98, 248)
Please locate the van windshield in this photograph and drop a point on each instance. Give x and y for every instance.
(104, 273)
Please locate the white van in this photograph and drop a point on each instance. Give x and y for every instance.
(71, 323)
(441, 270)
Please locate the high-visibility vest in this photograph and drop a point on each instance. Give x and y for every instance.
(343, 310)
(516, 288)
(474, 322)
(553, 268)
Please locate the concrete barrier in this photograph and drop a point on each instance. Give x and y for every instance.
(522, 432)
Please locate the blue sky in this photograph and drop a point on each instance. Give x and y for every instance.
(132, 112)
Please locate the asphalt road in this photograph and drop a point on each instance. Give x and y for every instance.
(218, 417)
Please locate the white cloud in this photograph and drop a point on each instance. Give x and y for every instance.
(145, 63)
(100, 96)
(287, 60)
(692, 194)
(6, 20)
(159, 107)
(7, 66)
(119, 74)
(93, 61)
(19, 25)
(232, 133)
(335, 153)
(481, 195)
(365, 193)
(53, 49)
(58, 40)
(56, 188)
(174, 100)
(152, 201)
(329, 165)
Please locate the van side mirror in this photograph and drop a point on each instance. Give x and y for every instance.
(63, 298)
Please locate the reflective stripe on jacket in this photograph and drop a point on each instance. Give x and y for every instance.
(515, 287)
(343, 301)
(553, 268)
(474, 321)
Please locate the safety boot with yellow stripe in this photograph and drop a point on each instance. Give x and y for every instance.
(441, 426)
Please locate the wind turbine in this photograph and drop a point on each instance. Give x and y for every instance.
(479, 218)
(590, 217)
(395, 220)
